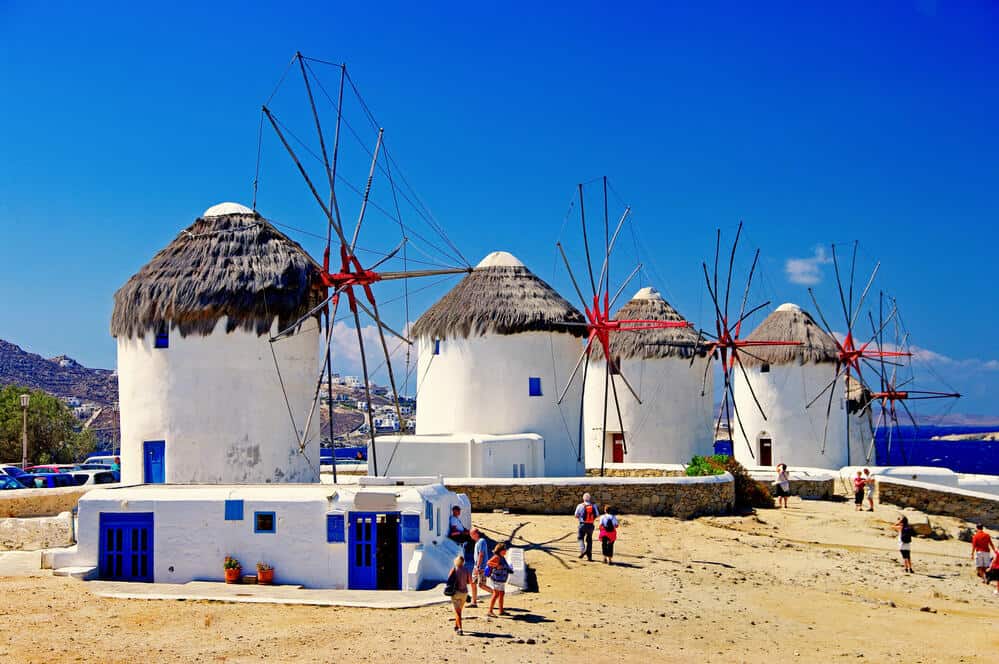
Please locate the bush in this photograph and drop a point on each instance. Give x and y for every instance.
(748, 492)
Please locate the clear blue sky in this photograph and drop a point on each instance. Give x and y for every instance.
(814, 124)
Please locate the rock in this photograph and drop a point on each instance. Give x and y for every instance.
(530, 642)
(965, 534)
(927, 609)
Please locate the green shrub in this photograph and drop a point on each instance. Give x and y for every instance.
(748, 492)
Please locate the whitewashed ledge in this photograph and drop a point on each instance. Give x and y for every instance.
(683, 497)
(973, 506)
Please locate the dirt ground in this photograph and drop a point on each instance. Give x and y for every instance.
(815, 582)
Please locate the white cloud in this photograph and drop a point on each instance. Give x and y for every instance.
(807, 271)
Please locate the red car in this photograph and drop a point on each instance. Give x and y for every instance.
(50, 468)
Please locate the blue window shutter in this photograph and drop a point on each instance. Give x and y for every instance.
(535, 386)
(410, 527)
(234, 510)
(335, 528)
(437, 346)
(162, 337)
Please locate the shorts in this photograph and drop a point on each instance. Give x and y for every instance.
(781, 492)
(479, 576)
(869, 491)
(499, 586)
(458, 600)
(906, 554)
(983, 559)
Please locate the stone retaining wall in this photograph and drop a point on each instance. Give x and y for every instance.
(36, 533)
(638, 470)
(42, 502)
(936, 499)
(683, 497)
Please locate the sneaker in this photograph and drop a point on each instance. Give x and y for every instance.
(461, 633)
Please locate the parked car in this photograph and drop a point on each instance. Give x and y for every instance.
(82, 477)
(103, 460)
(48, 480)
(92, 466)
(8, 482)
(48, 468)
(16, 473)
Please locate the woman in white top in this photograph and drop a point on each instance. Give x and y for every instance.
(783, 485)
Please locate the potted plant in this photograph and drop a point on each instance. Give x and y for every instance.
(233, 569)
(265, 574)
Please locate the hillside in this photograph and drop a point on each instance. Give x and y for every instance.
(61, 376)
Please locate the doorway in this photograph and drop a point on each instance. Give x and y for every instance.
(617, 448)
(125, 550)
(766, 455)
(153, 465)
(374, 551)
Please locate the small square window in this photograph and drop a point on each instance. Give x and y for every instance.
(411, 528)
(765, 368)
(264, 522)
(162, 337)
(335, 528)
(534, 384)
(234, 510)
(437, 346)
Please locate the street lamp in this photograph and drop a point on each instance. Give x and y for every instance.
(24, 430)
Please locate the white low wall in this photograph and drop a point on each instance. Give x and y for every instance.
(477, 455)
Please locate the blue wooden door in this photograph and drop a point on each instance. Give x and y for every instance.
(154, 470)
(362, 571)
(125, 551)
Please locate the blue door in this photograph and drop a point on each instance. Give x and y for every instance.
(154, 470)
(362, 571)
(126, 546)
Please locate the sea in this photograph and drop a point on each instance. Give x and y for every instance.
(914, 446)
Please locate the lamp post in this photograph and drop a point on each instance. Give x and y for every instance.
(24, 430)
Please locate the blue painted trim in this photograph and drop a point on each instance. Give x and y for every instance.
(534, 386)
(273, 522)
(234, 510)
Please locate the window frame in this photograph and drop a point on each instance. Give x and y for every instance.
(256, 522)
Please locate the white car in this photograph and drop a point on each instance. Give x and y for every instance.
(103, 460)
(81, 477)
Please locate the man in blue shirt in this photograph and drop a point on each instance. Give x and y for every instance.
(479, 559)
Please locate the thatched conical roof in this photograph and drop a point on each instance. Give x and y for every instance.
(789, 322)
(648, 304)
(230, 262)
(500, 296)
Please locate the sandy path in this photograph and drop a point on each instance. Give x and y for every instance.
(815, 582)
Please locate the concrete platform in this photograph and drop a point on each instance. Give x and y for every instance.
(21, 563)
(256, 594)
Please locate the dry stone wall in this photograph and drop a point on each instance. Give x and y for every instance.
(936, 499)
(41, 502)
(638, 470)
(685, 497)
(36, 533)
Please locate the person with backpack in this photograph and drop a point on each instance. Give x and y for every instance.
(480, 558)
(608, 533)
(457, 589)
(905, 533)
(586, 514)
(499, 572)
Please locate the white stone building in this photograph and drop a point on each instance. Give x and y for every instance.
(673, 422)
(200, 397)
(785, 379)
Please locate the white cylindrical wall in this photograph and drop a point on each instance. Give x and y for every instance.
(481, 385)
(217, 403)
(796, 432)
(673, 422)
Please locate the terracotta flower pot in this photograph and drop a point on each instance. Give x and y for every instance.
(265, 577)
(232, 574)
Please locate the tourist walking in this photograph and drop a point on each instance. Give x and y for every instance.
(981, 551)
(499, 572)
(608, 533)
(869, 489)
(586, 513)
(782, 485)
(992, 574)
(480, 557)
(859, 483)
(905, 533)
(457, 587)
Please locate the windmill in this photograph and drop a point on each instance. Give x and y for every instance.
(600, 325)
(850, 355)
(343, 272)
(727, 345)
(895, 382)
